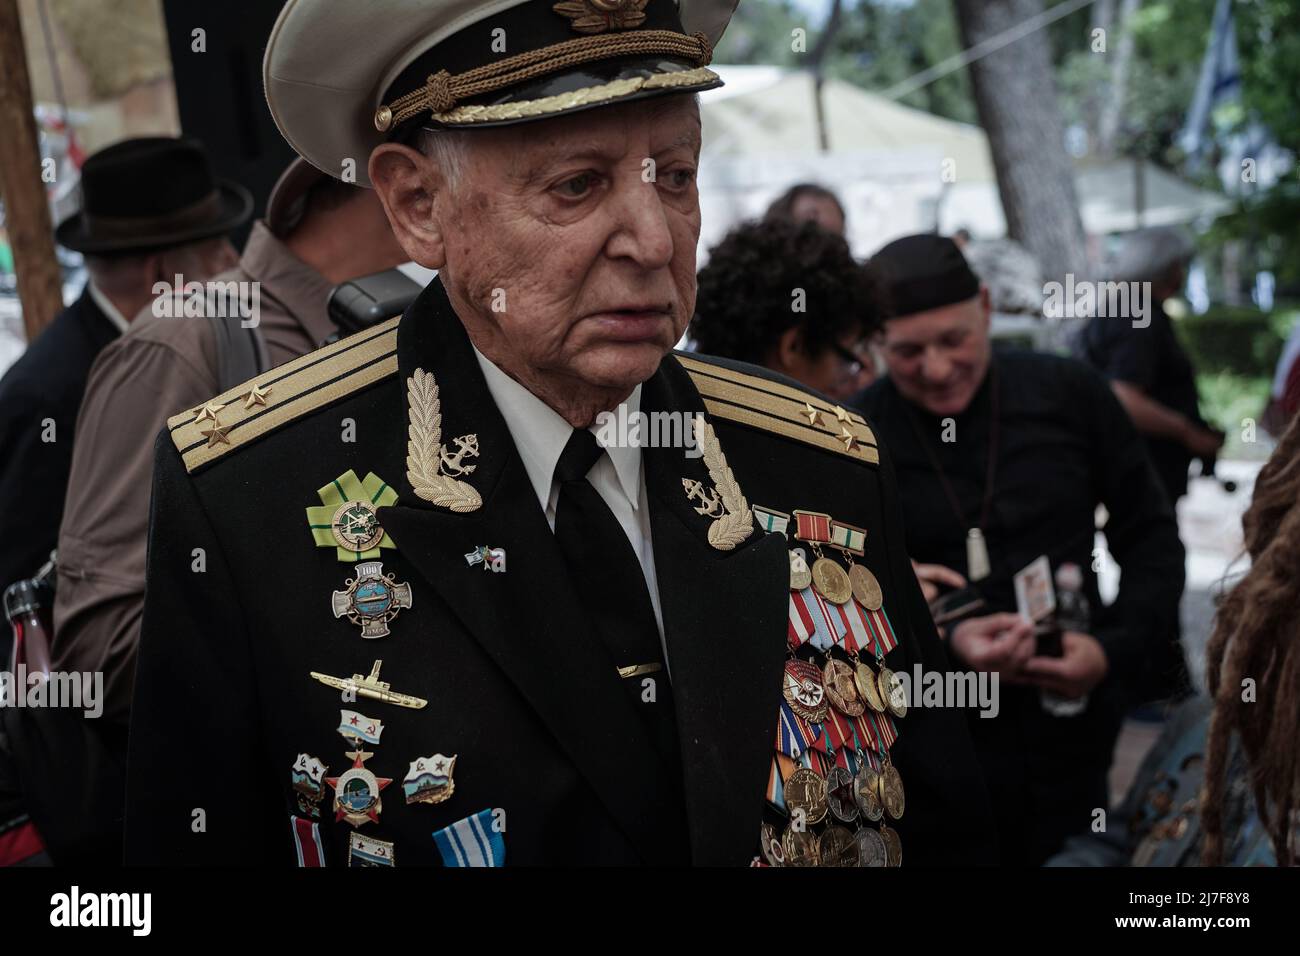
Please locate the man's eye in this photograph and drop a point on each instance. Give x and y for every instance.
(576, 187)
(681, 178)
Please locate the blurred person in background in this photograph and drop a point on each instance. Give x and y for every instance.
(1147, 367)
(808, 202)
(150, 209)
(790, 297)
(318, 232)
(1002, 458)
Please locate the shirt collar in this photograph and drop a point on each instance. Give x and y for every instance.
(540, 434)
(107, 307)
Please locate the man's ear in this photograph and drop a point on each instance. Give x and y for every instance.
(986, 305)
(790, 349)
(408, 184)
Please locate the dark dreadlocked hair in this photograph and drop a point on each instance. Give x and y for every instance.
(1257, 635)
(743, 301)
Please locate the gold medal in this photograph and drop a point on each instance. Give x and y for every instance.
(804, 692)
(800, 573)
(838, 848)
(891, 791)
(831, 581)
(865, 679)
(866, 790)
(838, 679)
(865, 587)
(892, 691)
(893, 845)
(801, 848)
(805, 792)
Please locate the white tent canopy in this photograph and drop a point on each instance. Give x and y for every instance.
(897, 170)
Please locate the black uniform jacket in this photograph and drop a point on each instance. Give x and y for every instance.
(238, 614)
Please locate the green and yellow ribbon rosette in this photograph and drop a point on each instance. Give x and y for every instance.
(347, 518)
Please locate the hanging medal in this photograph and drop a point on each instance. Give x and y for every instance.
(803, 690)
(891, 788)
(828, 578)
(347, 520)
(852, 541)
(356, 790)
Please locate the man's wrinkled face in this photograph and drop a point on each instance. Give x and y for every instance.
(938, 359)
(570, 243)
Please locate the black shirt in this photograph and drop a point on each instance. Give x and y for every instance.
(1065, 445)
(1151, 359)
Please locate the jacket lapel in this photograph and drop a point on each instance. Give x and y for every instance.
(725, 615)
(528, 620)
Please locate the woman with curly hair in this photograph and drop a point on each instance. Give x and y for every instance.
(790, 297)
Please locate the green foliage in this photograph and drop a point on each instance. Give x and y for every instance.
(1232, 339)
(1227, 399)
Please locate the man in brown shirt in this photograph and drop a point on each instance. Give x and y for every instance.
(318, 232)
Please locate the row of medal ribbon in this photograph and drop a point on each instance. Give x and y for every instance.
(831, 768)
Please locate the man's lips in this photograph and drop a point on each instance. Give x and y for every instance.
(633, 324)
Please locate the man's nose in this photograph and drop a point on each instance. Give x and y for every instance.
(935, 365)
(641, 225)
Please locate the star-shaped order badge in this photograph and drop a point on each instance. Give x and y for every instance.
(347, 518)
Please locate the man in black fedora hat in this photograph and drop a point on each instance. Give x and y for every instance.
(151, 210)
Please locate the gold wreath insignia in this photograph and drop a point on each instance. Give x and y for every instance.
(425, 451)
(737, 523)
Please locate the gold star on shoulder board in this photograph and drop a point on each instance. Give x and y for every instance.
(813, 414)
(841, 415)
(208, 412)
(256, 396)
(216, 435)
(850, 440)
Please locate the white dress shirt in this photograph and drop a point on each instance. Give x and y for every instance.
(540, 434)
(107, 307)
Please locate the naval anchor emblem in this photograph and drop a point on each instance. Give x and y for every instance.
(371, 599)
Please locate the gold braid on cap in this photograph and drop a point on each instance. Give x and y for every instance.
(442, 91)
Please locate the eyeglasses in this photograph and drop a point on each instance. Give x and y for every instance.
(855, 359)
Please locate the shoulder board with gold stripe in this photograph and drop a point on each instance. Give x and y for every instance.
(282, 394)
(776, 407)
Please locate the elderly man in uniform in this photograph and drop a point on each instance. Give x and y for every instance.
(414, 599)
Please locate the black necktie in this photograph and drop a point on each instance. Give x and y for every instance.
(612, 587)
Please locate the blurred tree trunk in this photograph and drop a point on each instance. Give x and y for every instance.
(27, 210)
(817, 58)
(1015, 95)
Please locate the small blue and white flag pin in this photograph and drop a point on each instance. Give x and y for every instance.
(472, 842)
(492, 559)
(359, 726)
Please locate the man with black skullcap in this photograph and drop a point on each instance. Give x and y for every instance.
(1002, 459)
